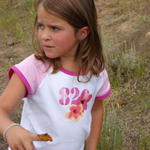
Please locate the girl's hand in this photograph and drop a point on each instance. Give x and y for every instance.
(19, 138)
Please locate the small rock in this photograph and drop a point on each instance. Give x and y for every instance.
(147, 34)
(10, 42)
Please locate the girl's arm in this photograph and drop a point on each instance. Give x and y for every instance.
(9, 99)
(17, 137)
(96, 126)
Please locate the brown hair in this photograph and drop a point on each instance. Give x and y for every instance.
(78, 13)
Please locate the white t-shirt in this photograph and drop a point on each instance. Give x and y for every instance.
(58, 104)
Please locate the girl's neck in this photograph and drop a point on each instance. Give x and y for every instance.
(70, 65)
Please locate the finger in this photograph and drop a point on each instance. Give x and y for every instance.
(42, 137)
(17, 147)
(21, 147)
(32, 146)
(29, 146)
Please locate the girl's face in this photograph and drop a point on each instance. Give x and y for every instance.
(56, 37)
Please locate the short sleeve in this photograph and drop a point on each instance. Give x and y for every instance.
(104, 88)
(31, 72)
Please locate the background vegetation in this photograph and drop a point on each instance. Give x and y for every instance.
(125, 30)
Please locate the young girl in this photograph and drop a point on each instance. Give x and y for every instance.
(64, 82)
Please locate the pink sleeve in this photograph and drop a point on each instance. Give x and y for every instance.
(104, 89)
(31, 72)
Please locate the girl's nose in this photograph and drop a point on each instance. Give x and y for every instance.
(46, 35)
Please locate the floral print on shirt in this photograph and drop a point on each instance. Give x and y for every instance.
(78, 101)
(76, 112)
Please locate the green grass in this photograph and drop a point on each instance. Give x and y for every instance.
(111, 138)
(125, 64)
(144, 143)
(8, 20)
(142, 19)
(17, 22)
(131, 6)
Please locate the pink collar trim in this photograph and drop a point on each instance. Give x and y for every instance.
(68, 72)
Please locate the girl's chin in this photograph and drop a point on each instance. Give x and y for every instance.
(51, 56)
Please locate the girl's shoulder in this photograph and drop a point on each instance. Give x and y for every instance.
(103, 74)
(32, 62)
(104, 87)
(31, 71)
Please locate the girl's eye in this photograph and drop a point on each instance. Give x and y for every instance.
(40, 26)
(54, 28)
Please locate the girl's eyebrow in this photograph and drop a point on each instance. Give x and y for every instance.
(39, 22)
(49, 25)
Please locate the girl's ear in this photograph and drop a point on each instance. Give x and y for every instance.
(84, 32)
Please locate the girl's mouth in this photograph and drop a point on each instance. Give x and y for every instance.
(46, 46)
